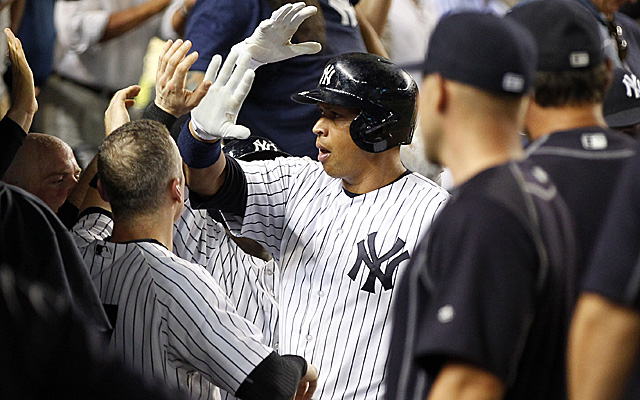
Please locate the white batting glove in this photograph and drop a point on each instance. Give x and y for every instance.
(215, 116)
(271, 41)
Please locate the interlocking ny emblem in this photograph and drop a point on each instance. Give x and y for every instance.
(371, 260)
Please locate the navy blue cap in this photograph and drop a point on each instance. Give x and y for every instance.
(484, 51)
(566, 33)
(622, 104)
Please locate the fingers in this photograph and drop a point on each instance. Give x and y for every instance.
(227, 69)
(242, 65)
(280, 11)
(212, 69)
(302, 15)
(127, 94)
(306, 48)
(237, 132)
(178, 56)
(288, 14)
(198, 94)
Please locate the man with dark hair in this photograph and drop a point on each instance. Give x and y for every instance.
(216, 25)
(571, 140)
(482, 311)
(341, 229)
(171, 319)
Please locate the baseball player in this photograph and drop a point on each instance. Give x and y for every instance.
(605, 332)
(342, 229)
(171, 320)
(481, 312)
(242, 268)
(564, 120)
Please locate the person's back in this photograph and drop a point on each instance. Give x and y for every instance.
(156, 303)
(482, 311)
(571, 141)
(171, 320)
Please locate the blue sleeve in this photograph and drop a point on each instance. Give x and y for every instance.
(214, 26)
(614, 269)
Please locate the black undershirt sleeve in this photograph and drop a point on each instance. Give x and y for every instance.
(276, 377)
(152, 111)
(11, 138)
(232, 196)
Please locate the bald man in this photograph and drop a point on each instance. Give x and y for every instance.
(45, 167)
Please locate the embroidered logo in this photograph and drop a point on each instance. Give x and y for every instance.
(367, 255)
(632, 84)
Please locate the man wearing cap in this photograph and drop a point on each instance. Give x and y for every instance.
(621, 108)
(564, 119)
(481, 312)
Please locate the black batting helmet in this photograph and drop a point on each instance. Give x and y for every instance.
(384, 93)
(253, 148)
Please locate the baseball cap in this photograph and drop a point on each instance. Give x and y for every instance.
(622, 104)
(484, 51)
(566, 33)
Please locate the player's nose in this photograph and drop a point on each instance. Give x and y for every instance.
(320, 128)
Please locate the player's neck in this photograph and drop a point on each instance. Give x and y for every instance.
(158, 226)
(544, 121)
(477, 148)
(380, 170)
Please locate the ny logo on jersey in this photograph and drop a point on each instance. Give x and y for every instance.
(373, 262)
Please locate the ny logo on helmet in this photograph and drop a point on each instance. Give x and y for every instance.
(328, 73)
(373, 262)
(263, 145)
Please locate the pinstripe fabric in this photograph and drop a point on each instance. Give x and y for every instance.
(249, 282)
(320, 237)
(173, 320)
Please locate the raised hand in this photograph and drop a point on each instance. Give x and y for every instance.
(215, 117)
(271, 41)
(23, 102)
(116, 114)
(171, 95)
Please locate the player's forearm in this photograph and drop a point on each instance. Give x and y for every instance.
(370, 37)
(204, 175)
(466, 382)
(76, 198)
(376, 12)
(603, 344)
(123, 21)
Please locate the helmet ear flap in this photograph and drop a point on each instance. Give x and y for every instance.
(371, 134)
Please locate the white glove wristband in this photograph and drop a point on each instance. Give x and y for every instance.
(200, 132)
(241, 48)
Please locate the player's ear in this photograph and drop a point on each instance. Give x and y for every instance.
(176, 190)
(103, 195)
(442, 100)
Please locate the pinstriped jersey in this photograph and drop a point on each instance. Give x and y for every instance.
(340, 256)
(249, 282)
(171, 320)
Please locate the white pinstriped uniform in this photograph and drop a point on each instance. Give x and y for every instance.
(173, 319)
(249, 282)
(316, 233)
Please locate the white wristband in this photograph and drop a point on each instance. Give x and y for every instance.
(200, 132)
